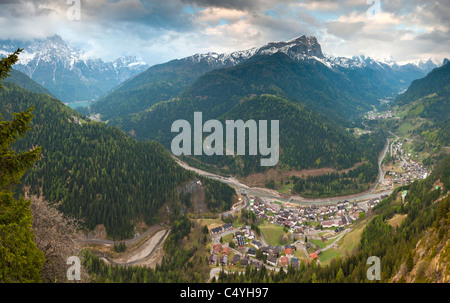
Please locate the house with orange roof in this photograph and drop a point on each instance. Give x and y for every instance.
(284, 261)
(288, 252)
(217, 248)
(226, 251)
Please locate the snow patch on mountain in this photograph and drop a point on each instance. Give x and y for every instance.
(52, 63)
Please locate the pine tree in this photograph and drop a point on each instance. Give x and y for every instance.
(20, 259)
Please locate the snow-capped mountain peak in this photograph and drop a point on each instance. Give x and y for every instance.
(298, 48)
(53, 63)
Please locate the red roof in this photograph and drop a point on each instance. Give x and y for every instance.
(288, 251)
(217, 247)
(313, 255)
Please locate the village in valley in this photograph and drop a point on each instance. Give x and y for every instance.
(290, 234)
(264, 231)
(308, 232)
(405, 168)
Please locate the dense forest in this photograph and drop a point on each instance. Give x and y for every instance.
(158, 83)
(307, 138)
(93, 171)
(355, 180)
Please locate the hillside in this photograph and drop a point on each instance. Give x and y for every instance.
(366, 79)
(422, 113)
(330, 146)
(415, 249)
(305, 98)
(437, 81)
(98, 173)
(25, 82)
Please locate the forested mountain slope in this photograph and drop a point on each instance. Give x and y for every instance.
(304, 97)
(96, 172)
(366, 79)
(429, 98)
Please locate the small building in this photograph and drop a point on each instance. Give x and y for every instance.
(277, 250)
(284, 261)
(235, 259)
(256, 244)
(226, 251)
(265, 250)
(223, 261)
(294, 262)
(227, 226)
(251, 251)
(213, 259)
(256, 263)
(314, 256)
(272, 261)
(288, 252)
(216, 230)
(240, 241)
(245, 262)
(217, 248)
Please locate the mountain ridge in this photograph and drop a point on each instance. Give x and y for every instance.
(67, 72)
(164, 81)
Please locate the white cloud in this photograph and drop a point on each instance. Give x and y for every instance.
(162, 30)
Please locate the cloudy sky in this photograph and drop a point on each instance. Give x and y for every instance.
(158, 31)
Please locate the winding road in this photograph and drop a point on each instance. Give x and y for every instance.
(275, 195)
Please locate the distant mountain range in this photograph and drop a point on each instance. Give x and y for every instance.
(285, 77)
(67, 72)
(165, 81)
(312, 102)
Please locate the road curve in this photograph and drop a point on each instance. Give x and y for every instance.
(127, 242)
(275, 195)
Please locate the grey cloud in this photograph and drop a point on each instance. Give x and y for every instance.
(344, 30)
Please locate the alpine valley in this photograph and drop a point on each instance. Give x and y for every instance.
(363, 170)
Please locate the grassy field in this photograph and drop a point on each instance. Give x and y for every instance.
(227, 238)
(397, 220)
(285, 188)
(345, 245)
(326, 256)
(211, 223)
(272, 233)
(350, 241)
(320, 243)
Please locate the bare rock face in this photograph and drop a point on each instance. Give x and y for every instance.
(297, 48)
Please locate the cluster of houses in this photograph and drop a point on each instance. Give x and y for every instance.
(360, 132)
(276, 255)
(373, 202)
(412, 169)
(220, 255)
(296, 217)
(221, 229)
(381, 115)
(248, 246)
